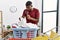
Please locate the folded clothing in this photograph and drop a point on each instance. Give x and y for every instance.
(28, 25)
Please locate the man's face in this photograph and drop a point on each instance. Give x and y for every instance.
(28, 7)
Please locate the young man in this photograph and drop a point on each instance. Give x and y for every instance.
(31, 14)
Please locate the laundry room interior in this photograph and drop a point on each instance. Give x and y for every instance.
(29, 19)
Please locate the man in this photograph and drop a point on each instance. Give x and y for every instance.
(31, 14)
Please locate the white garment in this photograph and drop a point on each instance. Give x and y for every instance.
(23, 23)
(30, 25)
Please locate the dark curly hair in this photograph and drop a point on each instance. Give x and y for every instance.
(28, 3)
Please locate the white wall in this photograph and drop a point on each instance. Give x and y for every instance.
(8, 17)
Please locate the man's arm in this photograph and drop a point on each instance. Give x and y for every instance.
(36, 16)
(30, 18)
(35, 19)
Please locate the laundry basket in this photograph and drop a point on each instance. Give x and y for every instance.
(24, 32)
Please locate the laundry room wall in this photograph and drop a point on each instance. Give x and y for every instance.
(9, 17)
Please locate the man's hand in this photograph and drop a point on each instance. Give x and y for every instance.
(30, 18)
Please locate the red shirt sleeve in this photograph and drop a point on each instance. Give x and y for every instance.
(24, 13)
(37, 14)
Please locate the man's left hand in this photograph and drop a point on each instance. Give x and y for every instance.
(29, 17)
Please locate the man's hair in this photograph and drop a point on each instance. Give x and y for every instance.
(28, 3)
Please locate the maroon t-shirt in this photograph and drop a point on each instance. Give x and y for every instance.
(33, 13)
